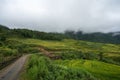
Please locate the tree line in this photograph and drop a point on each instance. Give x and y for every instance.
(111, 37)
(25, 33)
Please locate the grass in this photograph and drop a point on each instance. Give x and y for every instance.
(12, 49)
(42, 68)
(101, 70)
(84, 46)
(74, 44)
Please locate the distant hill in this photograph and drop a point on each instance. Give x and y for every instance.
(26, 33)
(3, 28)
(112, 37)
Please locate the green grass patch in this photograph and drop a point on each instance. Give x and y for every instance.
(101, 70)
(42, 68)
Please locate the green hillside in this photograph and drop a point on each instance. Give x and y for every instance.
(60, 58)
(110, 52)
(71, 51)
(101, 70)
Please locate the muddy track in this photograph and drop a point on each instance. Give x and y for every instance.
(49, 54)
(12, 71)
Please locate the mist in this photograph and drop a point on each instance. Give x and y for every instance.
(61, 15)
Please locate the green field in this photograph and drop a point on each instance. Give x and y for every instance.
(109, 50)
(42, 68)
(70, 50)
(61, 56)
(101, 70)
(75, 45)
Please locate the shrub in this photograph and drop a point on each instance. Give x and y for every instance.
(8, 51)
(90, 56)
(42, 68)
(71, 55)
(77, 55)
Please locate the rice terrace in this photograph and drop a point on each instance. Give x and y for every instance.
(59, 40)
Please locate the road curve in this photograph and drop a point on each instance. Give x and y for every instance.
(12, 71)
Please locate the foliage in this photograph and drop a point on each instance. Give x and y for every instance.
(41, 68)
(69, 49)
(95, 37)
(77, 55)
(80, 60)
(12, 49)
(3, 29)
(112, 37)
(2, 38)
(8, 51)
(101, 70)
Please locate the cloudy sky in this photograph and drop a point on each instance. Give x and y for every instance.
(59, 15)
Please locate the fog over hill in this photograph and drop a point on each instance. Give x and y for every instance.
(60, 15)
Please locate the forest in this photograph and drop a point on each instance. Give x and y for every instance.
(111, 37)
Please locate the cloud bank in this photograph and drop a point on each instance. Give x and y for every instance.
(59, 15)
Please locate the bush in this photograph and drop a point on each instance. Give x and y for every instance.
(8, 52)
(2, 38)
(77, 55)
(90, 56)
(1, 43)
(21, 47)
(30, 50)
(42, 68)
(71, 55)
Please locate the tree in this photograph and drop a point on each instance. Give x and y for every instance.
(2, 38)
(100, 56)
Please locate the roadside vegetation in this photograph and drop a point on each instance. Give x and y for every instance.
(42, 68)
(101, 70)
(10, 50)
(92, 58)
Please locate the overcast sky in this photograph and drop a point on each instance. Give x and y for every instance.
(59, 15)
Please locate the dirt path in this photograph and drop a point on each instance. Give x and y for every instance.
(49, 54)
(12, 71)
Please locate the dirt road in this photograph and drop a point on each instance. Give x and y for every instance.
(12, 71)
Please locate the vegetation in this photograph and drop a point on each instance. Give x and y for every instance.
(111, 37)
(25, 33)
(42, 68)
(79, 59)
(10, 50)
(67, 48)
(94, 58)
(77, 55)
(101, 70)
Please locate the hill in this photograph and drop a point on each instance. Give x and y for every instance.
(58, 56)
(82, 56)
(111, 37)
